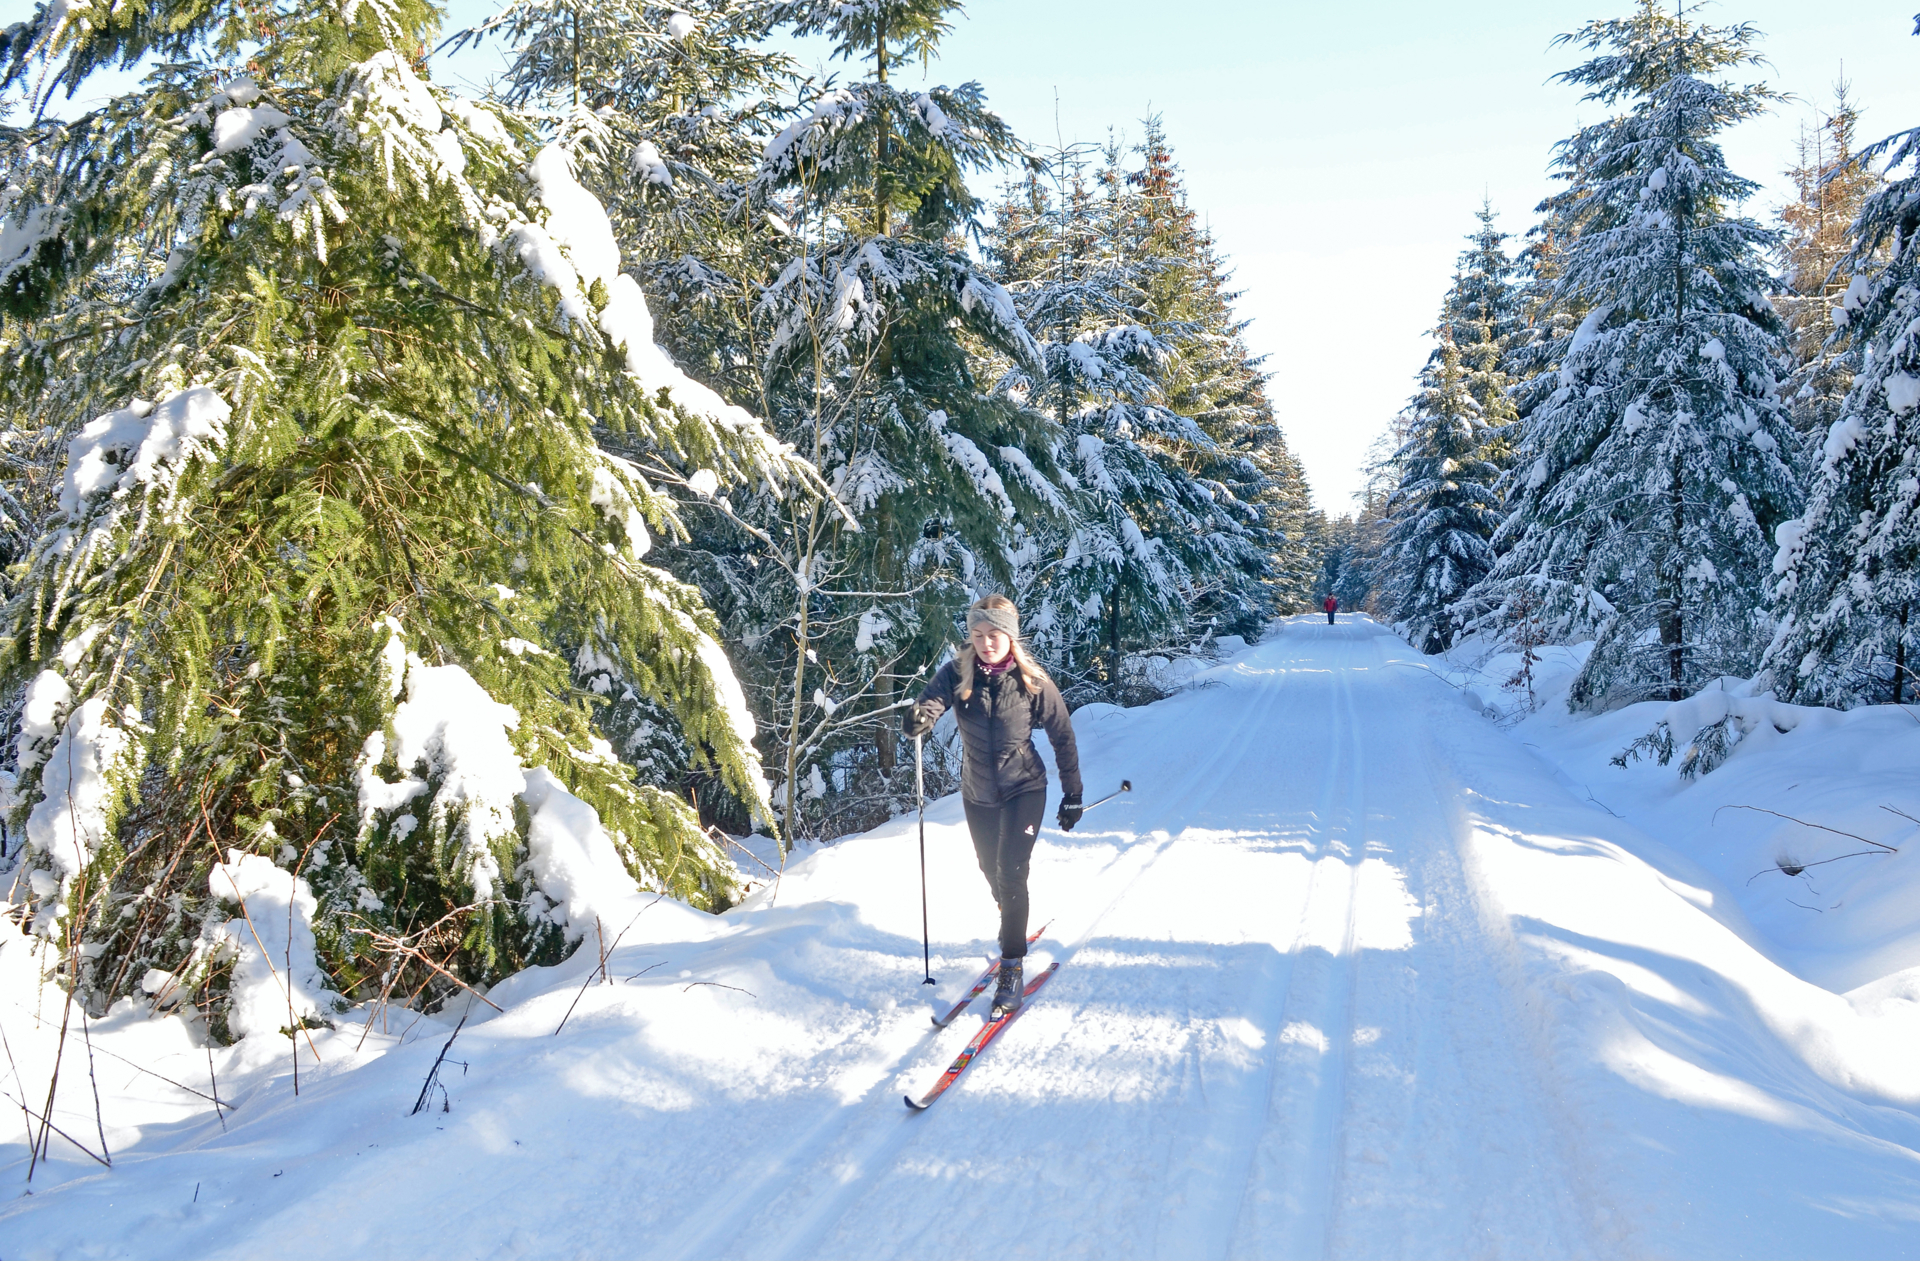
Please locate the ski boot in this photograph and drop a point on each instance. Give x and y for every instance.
(1007, 995)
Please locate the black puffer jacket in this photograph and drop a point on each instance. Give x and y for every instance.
(996, 732)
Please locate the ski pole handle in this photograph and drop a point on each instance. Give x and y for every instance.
(1126, 786)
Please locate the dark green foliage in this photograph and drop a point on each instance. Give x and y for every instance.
(391, 450)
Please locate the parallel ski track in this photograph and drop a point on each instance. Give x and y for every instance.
(1320, 1178)
(721, 1226)
(1223, 1166)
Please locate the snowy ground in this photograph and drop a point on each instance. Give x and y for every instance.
(1353, 971)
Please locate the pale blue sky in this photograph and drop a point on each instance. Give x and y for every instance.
(1339, 150)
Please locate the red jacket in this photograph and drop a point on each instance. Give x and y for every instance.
(1331, 604)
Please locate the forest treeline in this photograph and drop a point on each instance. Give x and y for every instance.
(390, 472)
(1661, 425)
(391, 475)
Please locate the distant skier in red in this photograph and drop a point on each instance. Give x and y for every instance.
(1330, 605)
(1000, 696)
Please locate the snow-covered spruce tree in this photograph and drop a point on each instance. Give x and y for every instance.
(329, 345)
(1647, 482)
(1130, 555)
(880, 327)
(1295, 527)
(1485, 320)
(1847, 585)
(1830, 186)
(1444, 508)
(665, 110)
(1214, 380)
(1442, 513)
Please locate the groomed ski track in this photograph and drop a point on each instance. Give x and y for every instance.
(1226, 985)
(1350, 973)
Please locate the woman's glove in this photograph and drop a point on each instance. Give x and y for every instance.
(1070, 811)
(918, 721)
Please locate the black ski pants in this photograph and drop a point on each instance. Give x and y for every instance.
(1003, 838)
(1329, 617)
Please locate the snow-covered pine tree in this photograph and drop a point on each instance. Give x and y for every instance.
(328, 345)
(1846, 587)
(1485, 320)
(1141, 542)
(1216, 381)
(1444, 509)
(1295, 528)
(880, 327)
(1830, 187)
(1442, 513)
(1647, 482)
(665, 109)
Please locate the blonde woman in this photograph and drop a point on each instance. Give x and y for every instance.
(999, 696)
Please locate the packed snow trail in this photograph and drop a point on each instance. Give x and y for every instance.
(1349, 973)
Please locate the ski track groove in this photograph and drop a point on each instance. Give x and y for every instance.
(1238, 1115)
(1305, 1114)
(728, 1226)
(1336, 1023)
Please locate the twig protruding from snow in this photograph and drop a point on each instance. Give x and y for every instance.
(1882, 845)
(433, 1074)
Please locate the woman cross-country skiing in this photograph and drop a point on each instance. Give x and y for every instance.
(1330, 606)
(999, 695)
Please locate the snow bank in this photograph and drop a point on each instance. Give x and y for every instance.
(451, 731)
(277, 985)
(1790, 817)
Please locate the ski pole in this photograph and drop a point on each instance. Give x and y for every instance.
(926, 937)
(1126, 786)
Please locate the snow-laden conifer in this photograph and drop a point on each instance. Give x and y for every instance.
(1648, 479)
(328, 346)
(1214, 379)
(1830, 186)
(1131, 553)
(878, 329)
(665, 109)
(1444, 508)
(1845, 573)
(1441, 515)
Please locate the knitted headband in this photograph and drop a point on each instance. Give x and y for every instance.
(1006, 621)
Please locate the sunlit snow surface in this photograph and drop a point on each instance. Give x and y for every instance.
(1352, 971)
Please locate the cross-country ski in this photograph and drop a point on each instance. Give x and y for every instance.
(992, 1029)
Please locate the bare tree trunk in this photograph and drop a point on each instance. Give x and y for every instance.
(1672, 623)
(887, 743)
(1113, 637)
(1900, 657)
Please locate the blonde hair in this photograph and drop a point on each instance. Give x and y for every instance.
(1030, 674)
